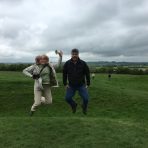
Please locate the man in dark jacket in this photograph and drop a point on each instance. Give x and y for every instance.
(78, 75)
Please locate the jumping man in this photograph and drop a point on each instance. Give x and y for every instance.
(78, 75)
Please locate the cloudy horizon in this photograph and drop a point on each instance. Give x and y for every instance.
(108, 30)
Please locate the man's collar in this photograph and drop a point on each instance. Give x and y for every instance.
(76, 61)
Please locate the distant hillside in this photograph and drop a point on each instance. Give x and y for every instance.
(113, 63)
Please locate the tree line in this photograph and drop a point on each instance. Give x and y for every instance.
(93, 69)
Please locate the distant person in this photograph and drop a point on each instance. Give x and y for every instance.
(43, 72)
(109, 76)
(93, 75)
(78, 75)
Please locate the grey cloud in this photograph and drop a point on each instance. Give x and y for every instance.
(109, 29)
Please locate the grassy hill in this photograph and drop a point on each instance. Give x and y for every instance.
(117, 115)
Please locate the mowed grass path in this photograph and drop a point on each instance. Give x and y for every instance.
(117, 115)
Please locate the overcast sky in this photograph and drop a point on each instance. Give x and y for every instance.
(103, 30)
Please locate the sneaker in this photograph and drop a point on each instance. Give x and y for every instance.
(74, 108)
(31, 113)
(43, 100)
(84, 109)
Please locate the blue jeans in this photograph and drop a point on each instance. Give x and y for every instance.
(83, 92)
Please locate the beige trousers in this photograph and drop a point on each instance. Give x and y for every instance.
(46, 92)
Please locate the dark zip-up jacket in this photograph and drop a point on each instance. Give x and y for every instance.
(77, 74)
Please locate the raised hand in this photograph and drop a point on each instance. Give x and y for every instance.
(60, 53)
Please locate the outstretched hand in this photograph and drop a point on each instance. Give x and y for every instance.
(67, 86)
(86, 86)
(60, 53)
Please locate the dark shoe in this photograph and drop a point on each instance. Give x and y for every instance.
(84, 109)
(31, 113)
(74, 108)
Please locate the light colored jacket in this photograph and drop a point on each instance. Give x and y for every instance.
(34, 69)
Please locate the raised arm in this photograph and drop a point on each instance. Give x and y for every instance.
(60, 53)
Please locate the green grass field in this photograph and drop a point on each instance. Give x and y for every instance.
(117, 115)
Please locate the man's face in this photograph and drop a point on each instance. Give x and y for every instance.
(74, 56)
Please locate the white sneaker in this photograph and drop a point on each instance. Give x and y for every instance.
(43, 100)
